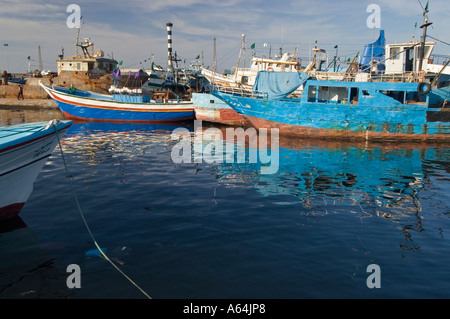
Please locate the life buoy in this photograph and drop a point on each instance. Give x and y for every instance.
(423, 88)
(269, 68)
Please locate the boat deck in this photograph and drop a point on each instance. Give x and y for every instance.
(15, 134)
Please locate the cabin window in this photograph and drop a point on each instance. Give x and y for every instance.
(427, 51)
(323, 94)
(332, 94)
(395, 54)
(312, 90)
(78, 66)
(397, 95)
(365, 92)
(354, 94)
(411, 97)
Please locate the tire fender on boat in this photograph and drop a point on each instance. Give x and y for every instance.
(423, 88)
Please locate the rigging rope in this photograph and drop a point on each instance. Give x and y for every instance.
(85, 222)
(438, 40)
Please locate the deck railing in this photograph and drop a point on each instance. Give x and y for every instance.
(410, 77)
(241, 92)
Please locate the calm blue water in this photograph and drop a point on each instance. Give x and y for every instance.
(224, 230)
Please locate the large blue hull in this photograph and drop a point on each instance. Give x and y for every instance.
(375, 116)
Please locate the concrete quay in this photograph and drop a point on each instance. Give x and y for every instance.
(6, 103)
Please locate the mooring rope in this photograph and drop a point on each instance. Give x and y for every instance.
(84, 219)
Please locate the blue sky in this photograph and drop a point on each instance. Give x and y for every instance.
(134, 30)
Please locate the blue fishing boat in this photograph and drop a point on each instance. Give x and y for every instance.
(24, 149)
(408, 102)
(345, 109)
(84, 105)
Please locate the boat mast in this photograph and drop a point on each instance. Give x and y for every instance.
(424, 35)
(314, 55)
(78, 37)
(239, 59)
(214, 66)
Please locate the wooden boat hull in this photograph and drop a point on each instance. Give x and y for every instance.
(108, 110)
(22, 156)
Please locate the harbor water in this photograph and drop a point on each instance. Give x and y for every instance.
(315, 227)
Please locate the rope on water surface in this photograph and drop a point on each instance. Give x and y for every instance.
(85, 222)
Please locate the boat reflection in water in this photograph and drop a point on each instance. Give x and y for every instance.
(314, 177)
(371, 179)
(367, 179)
(96, 142)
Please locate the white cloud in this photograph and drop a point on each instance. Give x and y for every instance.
(135, 29)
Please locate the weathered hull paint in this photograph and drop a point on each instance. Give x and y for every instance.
(376, 116)
(321, 133)
(221, 116)
(209, 108)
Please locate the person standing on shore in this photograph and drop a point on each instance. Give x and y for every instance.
(20, 95)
